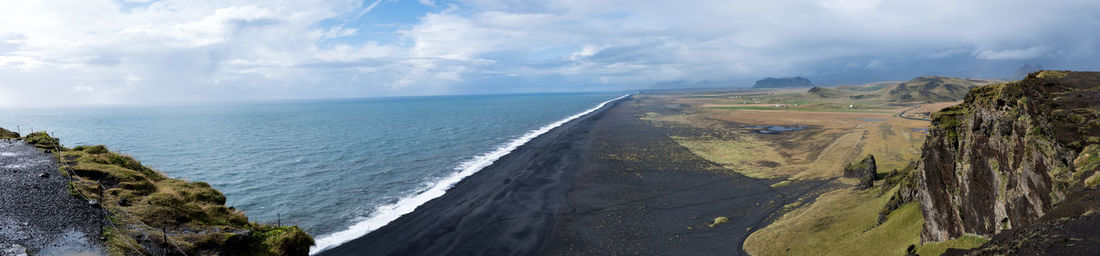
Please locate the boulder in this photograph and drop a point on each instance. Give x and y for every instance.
(864, 170)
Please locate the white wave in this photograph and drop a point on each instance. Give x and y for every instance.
(386, 213)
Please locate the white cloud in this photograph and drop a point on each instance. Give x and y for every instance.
(184, 50)
(1013, 54)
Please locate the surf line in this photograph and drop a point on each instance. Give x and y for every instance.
(386, 213)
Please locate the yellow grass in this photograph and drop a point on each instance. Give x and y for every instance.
(841, 222)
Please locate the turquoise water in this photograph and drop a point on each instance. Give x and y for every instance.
(341, 167)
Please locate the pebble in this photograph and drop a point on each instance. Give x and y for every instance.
(14, 250)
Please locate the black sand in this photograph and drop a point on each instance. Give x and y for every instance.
(37, 212)
(603, 184)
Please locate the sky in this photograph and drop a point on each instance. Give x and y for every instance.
(102, 52)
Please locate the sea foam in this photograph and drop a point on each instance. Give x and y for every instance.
(386, 213)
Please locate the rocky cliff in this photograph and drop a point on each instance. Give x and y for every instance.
(1006, 155)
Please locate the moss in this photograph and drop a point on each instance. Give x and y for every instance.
(1088, 163)
(42, 140)
(1051, 74)
(6, 134)
(719, 221)
(967, 241)
(143, 201)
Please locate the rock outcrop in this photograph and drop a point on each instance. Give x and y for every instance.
(1006, 155)
(783, 82)
(864, 170)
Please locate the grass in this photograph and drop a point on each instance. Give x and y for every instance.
(801, 109)
(841, 222)
(967, 241)
(739, 155)
(145, 204)
(6, 134)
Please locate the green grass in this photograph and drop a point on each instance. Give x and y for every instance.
(967, 241)
(801, 109)
(842, 222)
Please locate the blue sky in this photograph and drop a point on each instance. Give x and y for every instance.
(139, 51)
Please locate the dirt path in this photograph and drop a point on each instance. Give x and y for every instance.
(902, 114)
(36, 210)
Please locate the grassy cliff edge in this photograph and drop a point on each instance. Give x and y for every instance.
(151, 213)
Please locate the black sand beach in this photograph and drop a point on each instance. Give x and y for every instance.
(606, 183)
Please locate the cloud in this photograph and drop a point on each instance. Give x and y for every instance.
(1014, 54)
(198, 50)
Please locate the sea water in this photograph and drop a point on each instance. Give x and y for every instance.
(337, 168)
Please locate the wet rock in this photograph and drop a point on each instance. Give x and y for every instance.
(14, 250)
(44, 175)
(864, 170)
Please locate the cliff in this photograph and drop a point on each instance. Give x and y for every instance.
(1008, 154)
(153, 214)
(783, 82)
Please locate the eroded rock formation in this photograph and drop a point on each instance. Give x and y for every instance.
(1006, 155)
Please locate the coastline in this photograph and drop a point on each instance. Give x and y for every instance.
(571, 191)
(506, 206)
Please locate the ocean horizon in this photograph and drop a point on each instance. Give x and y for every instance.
(338, 168)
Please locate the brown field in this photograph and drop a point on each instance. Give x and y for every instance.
(832, 137)
(723, 130)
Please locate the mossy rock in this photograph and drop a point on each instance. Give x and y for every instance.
(6, 134)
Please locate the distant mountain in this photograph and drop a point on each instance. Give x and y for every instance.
(783, 82)
(933, 88)
(829, 93)
(1024, 70)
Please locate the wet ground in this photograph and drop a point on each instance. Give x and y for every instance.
(36, 210)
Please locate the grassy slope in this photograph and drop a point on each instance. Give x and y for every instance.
(144, 202)
(841, 222)
(965, 242)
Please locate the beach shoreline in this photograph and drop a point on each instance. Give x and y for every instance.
(570, 191)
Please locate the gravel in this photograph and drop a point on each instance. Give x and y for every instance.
(37, 212)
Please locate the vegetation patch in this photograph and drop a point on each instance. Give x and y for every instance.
(841, 222)
(968, 241)
(154, 214)
(6, 134)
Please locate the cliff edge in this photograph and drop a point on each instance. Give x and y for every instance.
(1008, 154)
(146, 212)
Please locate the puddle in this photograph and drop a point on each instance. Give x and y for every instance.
(71, 243)
(774, 129)
(872, 119)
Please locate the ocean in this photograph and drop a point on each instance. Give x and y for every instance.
(337, 168)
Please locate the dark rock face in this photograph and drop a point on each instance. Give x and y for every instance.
(864, 170)
(1005, 156)
(783, 82)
